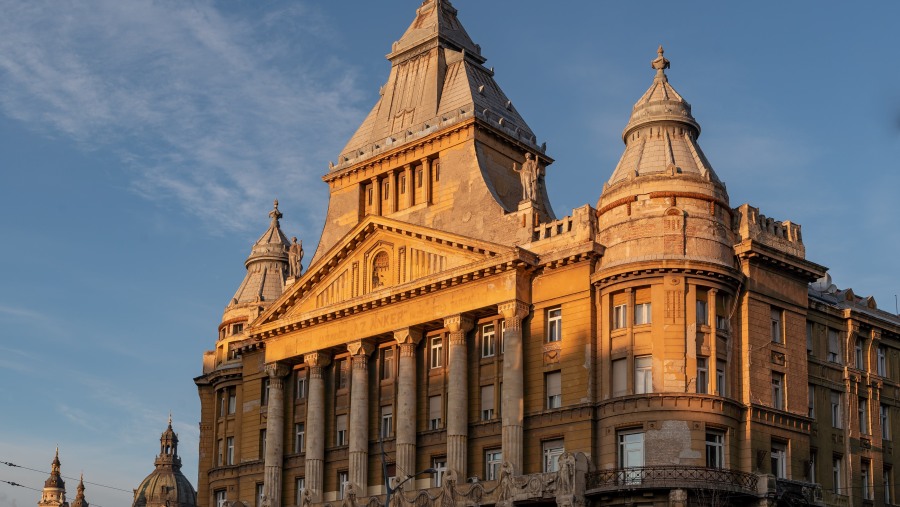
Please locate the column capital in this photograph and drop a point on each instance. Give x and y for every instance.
(458, 323)
(514, 309)
(317, 359)
(361, 348)
(277, 370)
(408, 335)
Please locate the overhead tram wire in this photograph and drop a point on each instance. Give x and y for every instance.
(67, 477)
(33, 489)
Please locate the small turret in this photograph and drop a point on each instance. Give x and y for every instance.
(79, 496)
(54, 492)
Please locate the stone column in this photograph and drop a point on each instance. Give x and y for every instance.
(376, 198)
(359, 414)
(426, 175)
(394, 190)
(274, 433)
(513, 397)
(408, 339)
(457, 394)
(712, 364)
(315, 423)
(410, 186)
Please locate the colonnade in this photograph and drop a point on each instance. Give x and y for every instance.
(405, 444)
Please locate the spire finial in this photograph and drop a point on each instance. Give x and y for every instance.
(170, 414)
(660, 63)
(275, 214)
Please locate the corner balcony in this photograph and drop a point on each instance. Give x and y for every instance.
(721, 480)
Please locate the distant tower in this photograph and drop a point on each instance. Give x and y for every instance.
(79, 497)
(54, 493)
(166, 486)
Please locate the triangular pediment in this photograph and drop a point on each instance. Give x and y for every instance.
(377, 258)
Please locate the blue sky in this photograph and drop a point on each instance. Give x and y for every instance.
(141, 145)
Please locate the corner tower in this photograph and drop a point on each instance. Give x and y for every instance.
(442, 145)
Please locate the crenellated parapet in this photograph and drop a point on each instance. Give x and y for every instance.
(784, 236)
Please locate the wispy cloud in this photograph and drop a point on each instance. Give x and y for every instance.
(214, 112)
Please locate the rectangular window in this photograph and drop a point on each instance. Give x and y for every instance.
(721, 387)
(493, 458)
(643, 374)
(554, 324)
(223, 402)
(862, 408)
(702, 312)
(642, 314)
(237, 328)
(264, 392)
(343, 373)
(778, 390)
(715, 449)
(884, 413)
(553, 449)
(386, 190)
(631, 455)
(881, 363)
(777, 323)
(299, 437)
(439, 465)
(620, 377)
(403, 184)
(221, 460)
(620, 314)
(488, 340)
(553, 386)
(262, 443)
(487, 402)
(702, 375)
(419, 178)
(343, 479)
(834, 346)
(809, 337)
(811, 475)
(436, 169)
(865, 479)
(434, 412)
(387, 363)
(437, 352)
(340, 427)
(369, 194)
(811, 401)
(300, 392)
(229, 451)
(232, 400)
(858, 355)
(259, 494)
(836, 413)
(299, 488)
(387, 421)
(836, 475)
(221, 498)
(888, 481)
(502, 334)
(779, 460)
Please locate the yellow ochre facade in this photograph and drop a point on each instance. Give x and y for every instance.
(455, 337)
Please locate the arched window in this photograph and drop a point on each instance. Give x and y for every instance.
(380, 268)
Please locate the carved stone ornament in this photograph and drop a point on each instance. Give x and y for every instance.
(277, 370)
(408, 335)
(458, 323)
(361, 347)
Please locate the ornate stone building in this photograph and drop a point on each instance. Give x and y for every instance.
(646, 351)
(54, 492)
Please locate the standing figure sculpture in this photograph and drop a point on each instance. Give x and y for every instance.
(566, 474)
(529, 175)
(295, 258)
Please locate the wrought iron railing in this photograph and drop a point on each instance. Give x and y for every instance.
(672, 476)
(798, 492)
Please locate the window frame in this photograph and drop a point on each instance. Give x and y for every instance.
(715, 449)
(554, 324)
(779, 464)
(643, 313)
(776, 319)
(299, 437)
(702, 381)
(488, 340)
(551, 450)
(642, 374)
(552, 398)
(778, 388)
(619, 316)
(493, 460)
(436, 351)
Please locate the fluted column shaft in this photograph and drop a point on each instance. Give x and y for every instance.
(315, 423)
(274, 456)
(457, 394)
(512, 405)
(359, 415)
(406, 400)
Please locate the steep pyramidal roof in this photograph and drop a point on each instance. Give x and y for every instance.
(437, 78)
(652, 148)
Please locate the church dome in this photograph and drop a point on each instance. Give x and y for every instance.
(166, 486)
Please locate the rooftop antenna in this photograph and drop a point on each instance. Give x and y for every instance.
(896, 308)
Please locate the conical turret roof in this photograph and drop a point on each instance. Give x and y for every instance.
(267, 265)
(661, 135)
(79, 496)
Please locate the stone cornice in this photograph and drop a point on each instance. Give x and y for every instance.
(653, 268)
(750, 250)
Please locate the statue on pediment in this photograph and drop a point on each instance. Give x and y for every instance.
(295, 257)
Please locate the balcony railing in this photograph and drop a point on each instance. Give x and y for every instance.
(798, 493)
(672, 476)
